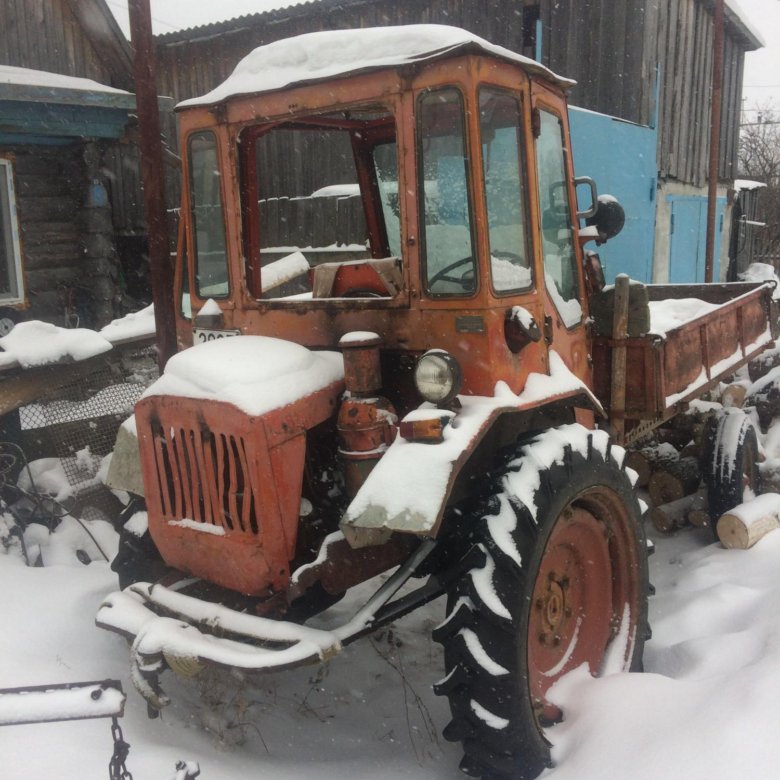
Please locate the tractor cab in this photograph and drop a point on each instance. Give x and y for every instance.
(411, 182)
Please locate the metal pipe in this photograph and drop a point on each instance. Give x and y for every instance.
(153, 176)
(717, 83)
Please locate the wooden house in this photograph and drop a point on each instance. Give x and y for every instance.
(645, 62)
(65, 105)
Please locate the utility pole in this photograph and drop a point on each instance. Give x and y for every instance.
(144, 72)
(717, 82)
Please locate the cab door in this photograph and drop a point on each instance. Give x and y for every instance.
(560, 254)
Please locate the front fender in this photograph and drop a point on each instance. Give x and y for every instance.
(408, 489)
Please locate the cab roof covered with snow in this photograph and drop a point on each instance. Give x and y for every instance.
(330, 54)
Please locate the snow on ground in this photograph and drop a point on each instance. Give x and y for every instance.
(708, 705)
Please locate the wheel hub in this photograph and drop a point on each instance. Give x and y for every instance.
(553, 608)
(580, 593)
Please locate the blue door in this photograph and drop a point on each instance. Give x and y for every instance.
(620, 156)
(688, 238)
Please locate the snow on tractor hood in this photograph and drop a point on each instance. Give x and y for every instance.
(339, 53)
(255, 373)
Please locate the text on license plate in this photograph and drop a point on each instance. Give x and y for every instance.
(202, 335)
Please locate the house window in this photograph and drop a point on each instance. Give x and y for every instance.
(11, 288)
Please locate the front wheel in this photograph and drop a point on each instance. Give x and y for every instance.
(562, 582)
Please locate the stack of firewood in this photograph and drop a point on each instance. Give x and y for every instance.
(668, 467)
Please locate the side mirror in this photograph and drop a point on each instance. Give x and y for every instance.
(594, 202)
(608, 219)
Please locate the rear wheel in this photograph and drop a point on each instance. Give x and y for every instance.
(562, 581)
(730, 467)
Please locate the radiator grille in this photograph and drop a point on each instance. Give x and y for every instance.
(205, 477)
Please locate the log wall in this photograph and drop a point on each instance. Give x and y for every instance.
(50, 188)
(45, 35)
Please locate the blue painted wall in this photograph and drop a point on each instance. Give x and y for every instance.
(621, 157)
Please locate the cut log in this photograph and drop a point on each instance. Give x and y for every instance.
(638, 462)
(764, 394)
(674, 436)
(674, 480)
(741, 527)
(763, 364)
(698, 513)
(734, 395)
(648, 459)
(667, 517)
(693, 418)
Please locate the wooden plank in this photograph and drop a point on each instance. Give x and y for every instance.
(638, 17)
(704, 119)
(667, 51)
(687, 75)
(731, 111)
(10, 41)
(622, 78)
(23, 386)
(681, 76)
(699, 94)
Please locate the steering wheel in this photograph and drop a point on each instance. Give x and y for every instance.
(444, 274)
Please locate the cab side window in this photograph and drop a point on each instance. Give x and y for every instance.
(560, 264)
(208, 221)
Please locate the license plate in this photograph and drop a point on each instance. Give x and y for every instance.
(202, 335)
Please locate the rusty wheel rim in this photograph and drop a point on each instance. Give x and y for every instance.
(585, 592)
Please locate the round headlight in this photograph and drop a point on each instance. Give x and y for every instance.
(437, 377)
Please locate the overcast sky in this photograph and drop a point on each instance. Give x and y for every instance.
(762, 68)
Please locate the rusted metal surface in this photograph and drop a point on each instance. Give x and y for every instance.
(223, 489)
(579, 599)
(342, 566)
(366, 427)
(362, 371)
(260, 523)
(665, 372)
(407, 320)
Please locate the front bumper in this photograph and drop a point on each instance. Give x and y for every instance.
(171, 630)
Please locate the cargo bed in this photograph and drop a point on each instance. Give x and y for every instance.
(668, 369)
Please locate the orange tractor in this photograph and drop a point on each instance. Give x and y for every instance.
(381, 266)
